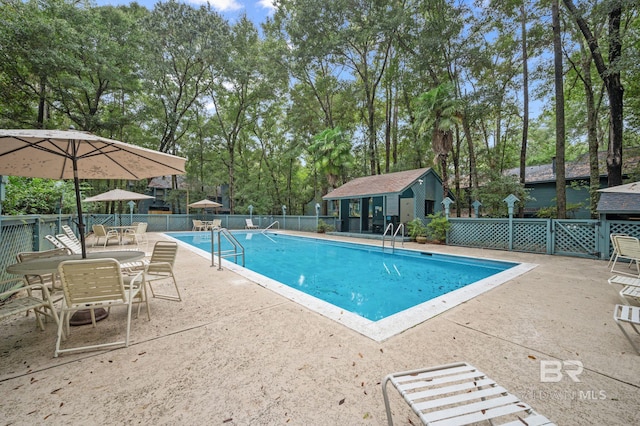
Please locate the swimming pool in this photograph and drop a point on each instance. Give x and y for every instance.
(359, 284)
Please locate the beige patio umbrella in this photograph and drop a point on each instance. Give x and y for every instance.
(205, 204)
(118, 195)
(71, 154)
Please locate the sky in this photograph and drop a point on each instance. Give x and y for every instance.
(256, 10)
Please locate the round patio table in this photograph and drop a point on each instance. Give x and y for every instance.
(49, 265)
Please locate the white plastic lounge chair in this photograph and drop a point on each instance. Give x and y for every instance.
(99, 231)
(74, 246)
(631, 315)
(10, 304)
(69, 233)
(630, 292)
(55, 242)
(458, 394)
(628, 248)
(93, 284)
(250, 225)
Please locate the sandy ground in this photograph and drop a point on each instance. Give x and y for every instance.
(235, 353)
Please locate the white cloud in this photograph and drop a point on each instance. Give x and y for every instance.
(220, 5)
(267, 4)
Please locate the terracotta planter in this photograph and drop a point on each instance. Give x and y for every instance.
(421, 240)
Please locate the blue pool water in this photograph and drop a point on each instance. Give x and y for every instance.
(358, 278)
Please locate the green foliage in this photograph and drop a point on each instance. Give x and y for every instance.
(438, 227)
(324, 226)
(495, 189)
(39, 196)
(332, 153)
(416, 228)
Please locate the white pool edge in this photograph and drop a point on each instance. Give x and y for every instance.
(387, 327)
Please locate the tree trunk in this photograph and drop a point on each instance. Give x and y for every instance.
(525, 97)
(611, 77)
(561, 196)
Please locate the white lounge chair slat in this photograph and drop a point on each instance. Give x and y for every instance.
(462, 397)
(473, 412)
(415, 396)
(534, 420)
(622, 280)
(440, 380)
(410, 376)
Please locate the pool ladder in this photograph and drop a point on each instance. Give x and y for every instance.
(389, 230)
(237, 250)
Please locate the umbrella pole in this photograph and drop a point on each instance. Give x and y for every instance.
(76, 183)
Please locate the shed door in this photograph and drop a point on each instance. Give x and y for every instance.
(407, 210)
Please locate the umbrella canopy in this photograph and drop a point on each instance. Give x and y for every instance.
(118, 195)
(62, 154)
(205, 204)
(630, 188)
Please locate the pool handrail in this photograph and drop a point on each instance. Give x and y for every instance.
(393, 235)
(226, 253)
(268, 227)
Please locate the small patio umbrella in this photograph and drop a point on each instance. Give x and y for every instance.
(118, 195)
(62, 154)
(204, 204)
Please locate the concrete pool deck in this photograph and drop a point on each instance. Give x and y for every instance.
(236, 353)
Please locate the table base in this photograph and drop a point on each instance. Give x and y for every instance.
(83, 317)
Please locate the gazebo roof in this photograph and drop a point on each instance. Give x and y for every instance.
(377, 185)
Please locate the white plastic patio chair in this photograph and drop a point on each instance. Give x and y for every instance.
(93, 284)
(137, 235)
(160, 267)
(13, 303)
(627, 248)
(250, 225)
(99, 231)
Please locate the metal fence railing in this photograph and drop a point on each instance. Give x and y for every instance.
(582, 238)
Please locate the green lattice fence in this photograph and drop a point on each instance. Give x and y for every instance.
(482, 233)
(576, 238)
(545, 236)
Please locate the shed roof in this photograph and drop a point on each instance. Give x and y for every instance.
(619, 202)
(369, 186)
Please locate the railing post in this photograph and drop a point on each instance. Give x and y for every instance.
(511, 201)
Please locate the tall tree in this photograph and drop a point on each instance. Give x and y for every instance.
(561, 193)
(610, 74)
(439, 112)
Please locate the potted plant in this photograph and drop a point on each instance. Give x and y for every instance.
(417, 230)
(438, 226)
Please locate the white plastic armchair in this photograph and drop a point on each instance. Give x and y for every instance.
(92, 284)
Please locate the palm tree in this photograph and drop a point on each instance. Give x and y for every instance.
(332, 152)
(440, 111)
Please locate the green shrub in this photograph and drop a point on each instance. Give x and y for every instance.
(438, 226)
(416, 228)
